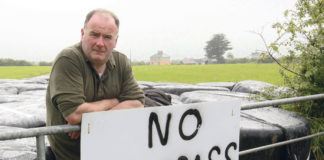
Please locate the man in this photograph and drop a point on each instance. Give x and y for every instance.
(89, 77)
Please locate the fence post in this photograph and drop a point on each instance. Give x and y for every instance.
(40, 142)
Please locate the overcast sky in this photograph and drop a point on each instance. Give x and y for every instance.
(36, 30)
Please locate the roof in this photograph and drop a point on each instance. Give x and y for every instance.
(160, 54)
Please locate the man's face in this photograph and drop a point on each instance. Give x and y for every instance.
(99, 38)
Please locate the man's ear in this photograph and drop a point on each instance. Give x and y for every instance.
(82, 33)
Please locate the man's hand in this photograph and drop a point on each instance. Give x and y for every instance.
(106, 104)
(74, 135)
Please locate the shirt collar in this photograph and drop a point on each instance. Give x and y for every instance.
(111, 61)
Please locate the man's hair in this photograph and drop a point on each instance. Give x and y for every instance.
(100, 10)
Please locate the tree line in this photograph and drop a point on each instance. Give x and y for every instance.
(12, 62)
(217, 48)
(227, 61)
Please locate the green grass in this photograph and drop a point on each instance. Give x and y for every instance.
(19, 72)
(209, 73)
(175, 73)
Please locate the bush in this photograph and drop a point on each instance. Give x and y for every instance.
(302, 35)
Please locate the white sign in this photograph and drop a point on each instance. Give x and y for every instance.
(201, 131)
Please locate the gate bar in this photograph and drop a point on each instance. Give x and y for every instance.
(33, 132)
(279, 144)
(40, 144)
(281, 101)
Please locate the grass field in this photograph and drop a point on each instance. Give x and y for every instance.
(209, 73)
(18, 72)
(176, 73)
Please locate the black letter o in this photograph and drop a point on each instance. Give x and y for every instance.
(196, 113)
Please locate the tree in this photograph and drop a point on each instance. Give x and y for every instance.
(302, 36)
(255, 55)
(44, 63)
(229, 56)
(216, 48)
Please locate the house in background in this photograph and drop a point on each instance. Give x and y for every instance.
(160, 58)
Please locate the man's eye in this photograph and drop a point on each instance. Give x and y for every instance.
(107, 37)
(94, 34)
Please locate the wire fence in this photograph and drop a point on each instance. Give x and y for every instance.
(40, 132)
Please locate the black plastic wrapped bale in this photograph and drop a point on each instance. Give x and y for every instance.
(270, 125)
(251, 86)
(228, 85)
(178, 89)
(27, 114)
(210, 96)
(17, 149)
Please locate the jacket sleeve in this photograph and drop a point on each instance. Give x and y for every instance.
(66, 86)
(130, 89)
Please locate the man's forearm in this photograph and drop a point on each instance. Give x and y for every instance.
(128, 104)
(102, 105)
(106, 104)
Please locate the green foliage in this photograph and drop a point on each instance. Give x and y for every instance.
(139, 63)
(239, 60)
(43, 63)
(216, 48)
(255, 58)
(11, 62)
(302, 35)
(176, 62)
(265, 59)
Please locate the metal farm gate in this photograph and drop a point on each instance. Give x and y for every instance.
(40, 132)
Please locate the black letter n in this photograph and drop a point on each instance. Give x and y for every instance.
(164, 140)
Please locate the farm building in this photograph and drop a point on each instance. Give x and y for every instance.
(191, 61)
(160, 58)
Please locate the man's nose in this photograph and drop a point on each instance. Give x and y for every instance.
(100, 41)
